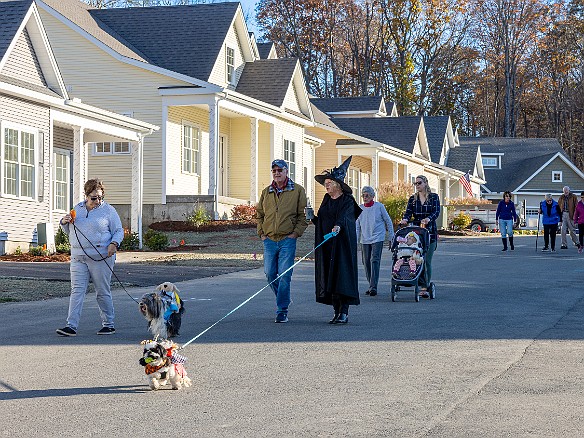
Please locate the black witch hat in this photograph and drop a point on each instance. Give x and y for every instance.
(337, 174)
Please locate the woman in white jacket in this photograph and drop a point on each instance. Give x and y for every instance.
(372, 226)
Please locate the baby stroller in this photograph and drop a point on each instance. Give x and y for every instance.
(405, 276)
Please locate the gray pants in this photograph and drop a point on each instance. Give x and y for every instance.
(82, 268)
(568, 225)
(371, 256)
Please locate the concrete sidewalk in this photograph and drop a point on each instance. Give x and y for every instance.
(498, 353)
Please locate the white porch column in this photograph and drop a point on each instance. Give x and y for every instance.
(253, 194)
(214, 153)
(446, 190)
(395, 172)
(79, 165)
(375, 171)
(137, 189)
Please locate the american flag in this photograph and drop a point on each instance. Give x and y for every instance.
(465, 181)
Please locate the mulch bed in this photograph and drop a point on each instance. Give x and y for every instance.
(211, 226)
(32, 258)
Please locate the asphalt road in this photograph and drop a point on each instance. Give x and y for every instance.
(498, 353)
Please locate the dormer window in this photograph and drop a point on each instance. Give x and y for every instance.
(229, 63)
(491, 161)
(557, 176)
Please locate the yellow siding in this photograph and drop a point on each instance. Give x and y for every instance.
(239, 155)
(361, 163)
(121, 88)
(219, 73)
(385, 171)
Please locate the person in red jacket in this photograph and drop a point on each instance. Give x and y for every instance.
(579, 221)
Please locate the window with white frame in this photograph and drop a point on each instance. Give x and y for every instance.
(557, 176)
(190, 149)
(490, 161)
(19, 162)
(229, 63)
(61, 180)
(109, 148)
(354, 181)
(290, 157)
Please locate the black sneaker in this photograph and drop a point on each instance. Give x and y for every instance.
(66, 331)
(106, 331)
(546, 249)
(281, 317)
(564, 247)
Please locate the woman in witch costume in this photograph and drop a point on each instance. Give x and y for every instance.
(336, 260)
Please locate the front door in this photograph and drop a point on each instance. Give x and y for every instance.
(222, 188)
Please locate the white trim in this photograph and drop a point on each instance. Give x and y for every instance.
(66, 153)
(197, 153)
(227, 65)
(560, 174)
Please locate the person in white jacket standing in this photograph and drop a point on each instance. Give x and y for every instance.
(372, 227)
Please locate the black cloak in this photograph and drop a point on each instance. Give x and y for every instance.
(336, 259)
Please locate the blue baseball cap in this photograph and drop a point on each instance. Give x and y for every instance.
(279, 163)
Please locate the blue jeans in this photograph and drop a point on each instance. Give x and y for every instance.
(82, 268)
(506, 227)
(279, 256)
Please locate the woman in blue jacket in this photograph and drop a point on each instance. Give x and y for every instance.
(550, 216)
(506, 217)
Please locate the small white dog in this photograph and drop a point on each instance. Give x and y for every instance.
(163, 310)
(162, 365)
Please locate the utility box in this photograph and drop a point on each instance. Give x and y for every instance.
(46, 236)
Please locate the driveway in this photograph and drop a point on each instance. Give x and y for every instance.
(498, 353)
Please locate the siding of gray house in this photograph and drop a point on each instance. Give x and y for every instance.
(542, 182)
(20, 216)
(23, 63)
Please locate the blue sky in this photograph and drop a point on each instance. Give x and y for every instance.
(248, 9)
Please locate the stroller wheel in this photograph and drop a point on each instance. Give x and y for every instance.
(432, 290)
(417, 292)
(393, 292)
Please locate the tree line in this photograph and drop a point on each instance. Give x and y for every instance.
(499, 68)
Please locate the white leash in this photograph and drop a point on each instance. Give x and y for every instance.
(326, 237)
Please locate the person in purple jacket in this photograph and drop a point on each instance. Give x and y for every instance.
(579, 221)
(506, 217)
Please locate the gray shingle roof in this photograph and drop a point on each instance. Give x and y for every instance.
(264, 49)
(267, 79)
(80, 14)
(399, 132)
(343, 104)
(11, 16)
(522, 157)
(462, 158)
(436, 129)
(184, 39)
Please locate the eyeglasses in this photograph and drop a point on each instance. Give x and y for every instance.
(366, 195)
(95, 198)
(417, 183)
(277, 170)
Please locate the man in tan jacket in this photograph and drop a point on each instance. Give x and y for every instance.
(281, 220)
(567, 203)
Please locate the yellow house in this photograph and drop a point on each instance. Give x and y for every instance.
(196, 72)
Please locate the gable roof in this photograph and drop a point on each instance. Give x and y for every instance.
(267, 80)
(520, 158)
(11, 16)
(193, 44)
(264, 49)
(463, 158)
(331, 105)
(436, 132)
(399, 132)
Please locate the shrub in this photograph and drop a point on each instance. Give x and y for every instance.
(244, 213)
(394, 196)
(199, 216)
(461, 221)
(38, 251)
(18, 251)
(155, 240)
(62, 244)
(467, 201)
(130, 242)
